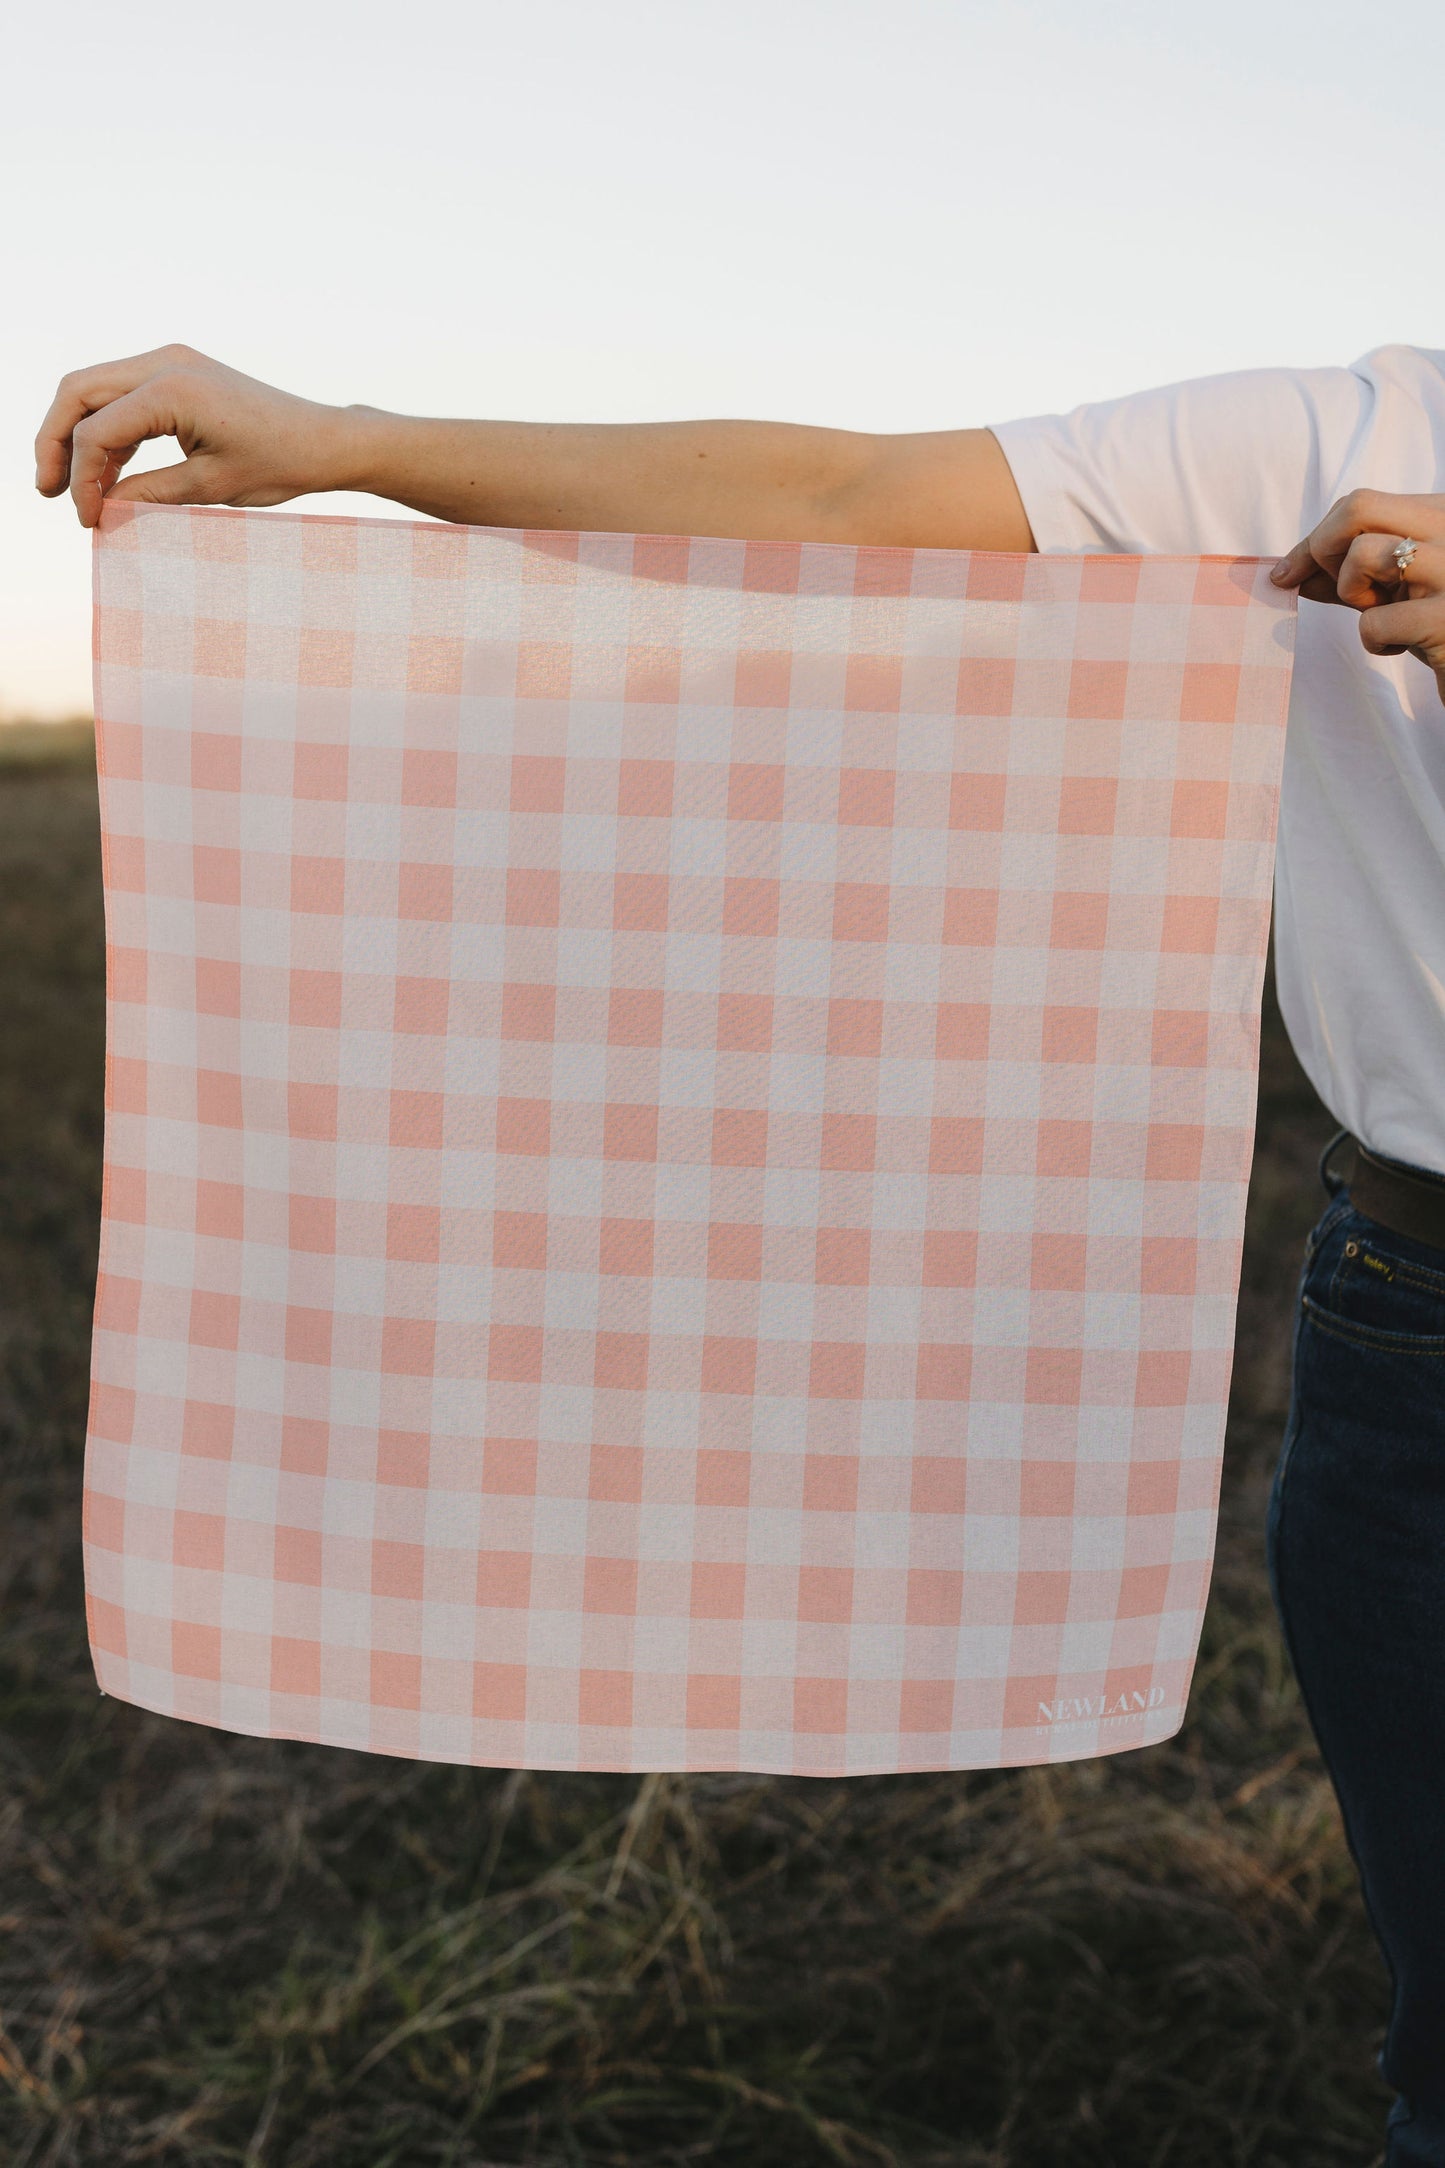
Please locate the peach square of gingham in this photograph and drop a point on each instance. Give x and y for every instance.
(678, 1115)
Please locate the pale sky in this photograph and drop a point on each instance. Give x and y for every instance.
(895, 215)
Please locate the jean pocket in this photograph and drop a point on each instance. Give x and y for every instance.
(1378, 1290)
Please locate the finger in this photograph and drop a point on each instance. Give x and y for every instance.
(1395, 628)
(115, 429)
(83, 392)
(1370, 573)
(1363, 511)
(1296, 566)
(1299, 571)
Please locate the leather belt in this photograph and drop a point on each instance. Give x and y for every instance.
(1406, 1202)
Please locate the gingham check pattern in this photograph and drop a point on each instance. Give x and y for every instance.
(678, 1115)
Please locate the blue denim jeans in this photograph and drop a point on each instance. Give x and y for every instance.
(1356, 1549)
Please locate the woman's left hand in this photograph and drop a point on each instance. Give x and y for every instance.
(1350, 558)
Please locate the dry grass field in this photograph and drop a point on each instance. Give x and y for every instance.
(224, 1950)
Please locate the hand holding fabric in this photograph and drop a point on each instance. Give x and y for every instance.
(1349, 558)
(245, 443)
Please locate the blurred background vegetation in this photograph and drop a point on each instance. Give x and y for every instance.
(217, 1949)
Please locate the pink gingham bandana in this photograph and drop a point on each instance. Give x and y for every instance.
(677, 1124)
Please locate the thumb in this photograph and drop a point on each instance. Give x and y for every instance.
(181, 484)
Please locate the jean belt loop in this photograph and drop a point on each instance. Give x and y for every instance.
(1333, 1183)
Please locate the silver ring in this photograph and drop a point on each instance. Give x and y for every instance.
(1404, 554)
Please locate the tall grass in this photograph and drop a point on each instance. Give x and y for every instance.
(217, 1949)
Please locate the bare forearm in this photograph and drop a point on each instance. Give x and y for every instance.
(246, 443)
(779, 481)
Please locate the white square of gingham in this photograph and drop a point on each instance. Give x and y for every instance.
(678, 1115)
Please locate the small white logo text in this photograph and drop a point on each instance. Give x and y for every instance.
(1094, 1708)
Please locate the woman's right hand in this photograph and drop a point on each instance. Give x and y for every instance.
(245, 443)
